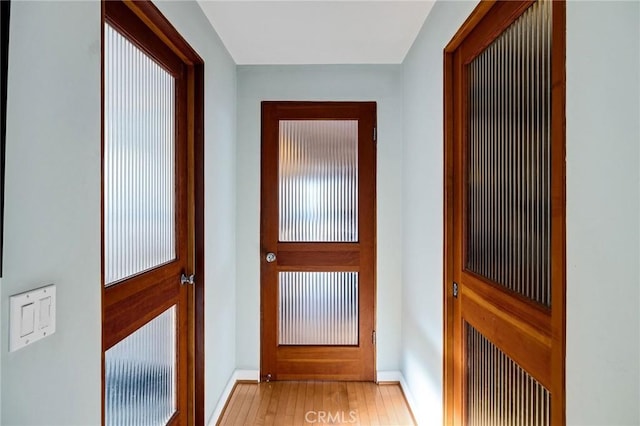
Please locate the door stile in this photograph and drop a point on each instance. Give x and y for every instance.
(269, 233)
(558, 213)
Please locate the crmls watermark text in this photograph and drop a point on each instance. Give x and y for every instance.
(328, 417)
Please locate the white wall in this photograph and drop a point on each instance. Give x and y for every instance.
(52, 210)
(603, 138)
(603, 135)
(220, 218)
(422, 218)
(52, 216)
(355, 83)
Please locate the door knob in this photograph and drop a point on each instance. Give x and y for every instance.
(271, 257)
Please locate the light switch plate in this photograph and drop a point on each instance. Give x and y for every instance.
(32, 316)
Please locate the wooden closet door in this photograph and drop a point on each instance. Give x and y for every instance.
(145, 225)
(505, 213)
(318, 240)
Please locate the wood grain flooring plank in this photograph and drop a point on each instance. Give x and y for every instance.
(372, 409)
(291, 404)
(255, 404)
(358, 403)
(272, 408)
(310, 399)
(299, 411)
(265, 400)
(387, 400)
(236, 400)
(281, 408)
(241, 418)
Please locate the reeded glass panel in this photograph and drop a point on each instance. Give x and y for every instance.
(508, 157)
(318, 180)
(318, 308)
(139, 169)
(140, 375)
(499, 392)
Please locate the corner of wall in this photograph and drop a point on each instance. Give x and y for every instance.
(237, 375)
(422, 273)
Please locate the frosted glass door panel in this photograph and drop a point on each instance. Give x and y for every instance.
(318, 308)
(499, 391)
(318, 180)
(509, 157)
(140, 375)
(139, 167)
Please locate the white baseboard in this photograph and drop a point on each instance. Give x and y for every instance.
(413, 404)
(388, 376)
(253, 375)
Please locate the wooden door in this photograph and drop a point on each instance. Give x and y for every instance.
(505, 216)
(318, 240)
(151, 130)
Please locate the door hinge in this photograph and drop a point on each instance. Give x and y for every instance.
(184, 279)
(373, 337)
(375, 134)
(455, 290)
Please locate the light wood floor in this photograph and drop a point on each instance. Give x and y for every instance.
(316, 403)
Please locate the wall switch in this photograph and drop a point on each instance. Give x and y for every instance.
(45, 312)
(32, 316)
(28, 314)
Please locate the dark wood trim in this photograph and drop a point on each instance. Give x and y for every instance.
(156, 21)
(145, 281)
(530, 347)
(268, 232)
(319, 259)
(175, 54)
(503, 14)
(199, 183)
(517, 307)
(119, 16)
(102, 269)
(558, 214)
(448, 241)
(123, 317)
(191, 232)
(469, 24)
(304, 110)
(542, 328)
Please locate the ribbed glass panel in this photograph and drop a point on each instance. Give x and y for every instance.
(508, 157)
(318, 308)
(499, 392)
(140, 375)
(139, 169)
(318, 180)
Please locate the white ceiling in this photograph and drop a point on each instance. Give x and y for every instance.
(317, 31)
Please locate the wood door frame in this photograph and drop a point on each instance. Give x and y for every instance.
(154, 20)
(481, 21)
(366, 113)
